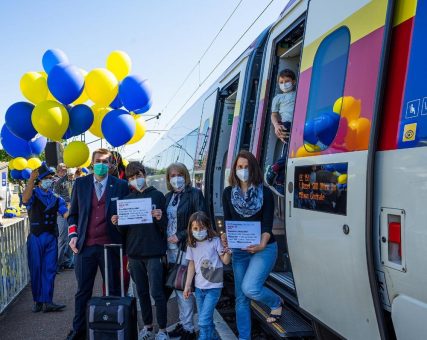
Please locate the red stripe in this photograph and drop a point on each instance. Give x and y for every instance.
(72, 229)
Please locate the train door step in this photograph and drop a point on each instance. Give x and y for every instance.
(290, 324)
(284, 278)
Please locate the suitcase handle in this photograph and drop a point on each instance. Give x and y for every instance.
(122, 284)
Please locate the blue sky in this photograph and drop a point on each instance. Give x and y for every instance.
(163, 38)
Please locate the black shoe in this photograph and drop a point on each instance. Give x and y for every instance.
(52, 307)
(73, 335)
(186, 335)
(37, 307)
(177, 331)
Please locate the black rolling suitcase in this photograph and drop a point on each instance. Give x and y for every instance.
(112, 317)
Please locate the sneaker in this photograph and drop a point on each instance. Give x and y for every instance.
(270, 175)
(177, 331)
(145, 334)
(162, 336)
(278, 189)
(187, 335)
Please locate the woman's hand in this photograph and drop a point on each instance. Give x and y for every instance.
(157, 214)
(255, 248)
(224, 240)
(187, 292)
(173, 239)
(115, 219)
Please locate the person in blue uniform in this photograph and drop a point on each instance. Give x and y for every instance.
(42, 243)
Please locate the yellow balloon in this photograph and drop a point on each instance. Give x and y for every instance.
(98, 115)
(34, 87)
(119, 63)
(101, 86)
(34, 163)
(49, 95)
(87, 163)
(125, 162)
(75, 154)
(140, 129)
(83, 97)
(342, 179)
(50, 119)
(348, 107)
(20, 163)
(307, 150)
(10, 165)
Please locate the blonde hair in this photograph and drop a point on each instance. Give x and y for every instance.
(182, 169)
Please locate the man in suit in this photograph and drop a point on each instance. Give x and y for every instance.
(92, 204)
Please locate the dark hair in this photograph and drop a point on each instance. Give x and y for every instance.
(255, 174)
(201, 218)
(117, 167)
(134, 168)
(287, 73)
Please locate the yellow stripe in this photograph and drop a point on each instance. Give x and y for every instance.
(237, 108)
(404, 10)
(360, 23)
(265, 315)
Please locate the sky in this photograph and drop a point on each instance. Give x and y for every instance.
(164, 38)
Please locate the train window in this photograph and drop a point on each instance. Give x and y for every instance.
(327, 85)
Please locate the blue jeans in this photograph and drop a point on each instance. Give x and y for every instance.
(250, 273)
(206, 300)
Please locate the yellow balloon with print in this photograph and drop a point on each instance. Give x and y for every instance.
(83, 97)
(50, 119)
(34, 87)
(76, 154)
(119, 63)
(140, 129)
(348, 107)
(98, 115)
(20, 163)
(101, 86)
(34, 163)
(10, 165)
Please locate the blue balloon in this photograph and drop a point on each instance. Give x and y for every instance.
(118, 127)
(326, 126)
(145, 108)
(116, 103)
(66, 82)
(310, 132)
(52, 58)
(135, 92)
(26, 173)
(37, 145)
(18, 120)
(16, 174)
(81, 119)
(13, 145)
(85, 170)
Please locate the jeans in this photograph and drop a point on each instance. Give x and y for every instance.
(185, 307)
(206, 300)
(65, 256)
(148, 276)
(250, 273)
(279, 167)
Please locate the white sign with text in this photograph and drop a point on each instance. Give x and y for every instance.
(243, 234)
(134, 211)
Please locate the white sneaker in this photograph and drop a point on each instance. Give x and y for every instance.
(145, 334)
(162, 336)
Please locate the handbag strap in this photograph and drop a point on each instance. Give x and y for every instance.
(180, 252)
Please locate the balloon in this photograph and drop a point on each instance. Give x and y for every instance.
(326, 126)
(66, 82)
(125, 162)
(50, 119)
(86, 171)
(312, 148)
(26, 173)
(37, 145)
(87, 163)
(310, 132)
(116, 103)
(16, 174)
(342, 131)
(358, 134)
(342, 179)
(34, 87)
(34, 163)
(140, 129)
(348, 107)
(52, 58)
(76, 154)
(83, 96)
(135, 93)
(119, 63)
(10, 165)
(118, 127)
(13, 145)
(18, 120)
(81, 119)
(49, 94)
(305, 151)
(145, 108)
(101, 86)
(98, 115)
(20, 163)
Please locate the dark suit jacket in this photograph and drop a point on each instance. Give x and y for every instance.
(81, 197)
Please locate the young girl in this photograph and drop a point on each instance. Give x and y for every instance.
(205, 253)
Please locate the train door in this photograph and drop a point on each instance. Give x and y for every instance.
(330, 170)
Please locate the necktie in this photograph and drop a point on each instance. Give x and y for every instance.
(98, 189)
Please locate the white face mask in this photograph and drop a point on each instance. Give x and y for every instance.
(200, 235)
(138, 183)
(177, 182)
(243, 174)
(286, 87)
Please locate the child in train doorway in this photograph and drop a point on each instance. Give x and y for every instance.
(206, 255)
(282, 113)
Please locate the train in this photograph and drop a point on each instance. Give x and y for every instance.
(351, 226)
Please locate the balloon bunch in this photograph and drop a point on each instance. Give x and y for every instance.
(59, 108)
(21, 168)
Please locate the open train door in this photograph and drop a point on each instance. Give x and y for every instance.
(330, 167)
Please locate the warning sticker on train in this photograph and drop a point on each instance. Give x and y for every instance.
(409, 131)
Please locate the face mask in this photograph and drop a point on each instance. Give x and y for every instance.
(286, 87)
(177, 182)
(138, 183)
(100, 169)
(47, 184)
(200, 235)
(243, 174)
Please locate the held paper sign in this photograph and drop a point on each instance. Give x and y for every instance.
(243, 234)
(135, 211)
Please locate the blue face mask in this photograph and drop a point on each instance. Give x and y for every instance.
(100, 169)
(46, 184)
(138, 183)
(200, 235)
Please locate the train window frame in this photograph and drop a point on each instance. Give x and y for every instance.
(327, 44)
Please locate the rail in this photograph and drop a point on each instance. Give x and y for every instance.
(13, 260)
